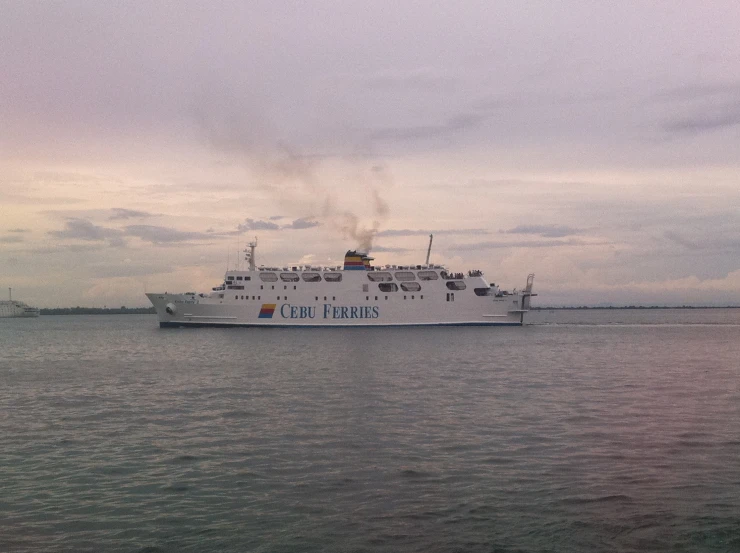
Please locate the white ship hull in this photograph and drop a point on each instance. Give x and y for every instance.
(346, 310)
(320, 297)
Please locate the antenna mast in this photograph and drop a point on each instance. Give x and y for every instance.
(429, 249)
(249, 254)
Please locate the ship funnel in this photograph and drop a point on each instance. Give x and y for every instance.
(356, 261)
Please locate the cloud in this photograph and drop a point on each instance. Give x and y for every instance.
(251, 224)
(377, 249)
(419, 232)
(698, 92)
(19, 230)
(11, 239)
(303, 223)
(704, 122)
(678, 239)
(546, 231)
(297, 224)
(162, 235)
(121, 213)
(422, 79)
(453, 124)
(525, 244)
(61, 248)
(82, 229)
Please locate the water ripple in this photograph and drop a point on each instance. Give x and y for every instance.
(593, 437)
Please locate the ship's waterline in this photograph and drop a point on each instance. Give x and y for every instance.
(355, 294)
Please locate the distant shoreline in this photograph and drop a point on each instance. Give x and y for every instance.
(150, 310)
(638, 307)
(97, 311)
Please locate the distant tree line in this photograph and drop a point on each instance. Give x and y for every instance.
(639, 307)
(123, 310)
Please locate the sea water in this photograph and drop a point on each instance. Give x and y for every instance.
(589, 430)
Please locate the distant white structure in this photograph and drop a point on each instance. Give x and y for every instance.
(10, 308)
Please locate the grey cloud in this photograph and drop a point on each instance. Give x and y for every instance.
(161, 235)
(11, 239)
(420, 79)
(61, 248)
(117, 242)
(524, 244)
(303, 223)
(454, 124)
(118, 270)
(121, 213)
(418, 232)
(377, 249)
(704, 122)
(82, 229)
(19, 230)
(546, 231)
(678, 239)
(698, 92)
(251, 224)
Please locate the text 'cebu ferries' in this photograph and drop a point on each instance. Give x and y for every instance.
(354, 294)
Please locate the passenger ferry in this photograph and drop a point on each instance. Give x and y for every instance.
(13, 309)
(356, 293)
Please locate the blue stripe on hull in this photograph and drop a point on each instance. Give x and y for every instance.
(257, 325)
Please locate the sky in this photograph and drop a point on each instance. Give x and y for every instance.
(595, 144)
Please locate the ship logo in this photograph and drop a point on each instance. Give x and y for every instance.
(268, 309)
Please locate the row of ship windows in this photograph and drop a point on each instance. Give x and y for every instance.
(289, 277)
(450, 297)
(386, 297)
(393, 287)
(415, 287)
(374, 276)
(284, 298)
(333, 298)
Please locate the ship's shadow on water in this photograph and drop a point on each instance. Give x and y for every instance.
(118, 436)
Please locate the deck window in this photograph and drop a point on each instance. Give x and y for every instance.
(268, 277)
(428, 275)
(456, 285)
(410, 286)
(405, 276)
(289, 277)
(379, 276)
(388, 287)
(333, 277)
(483, 291)
(311, 277)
